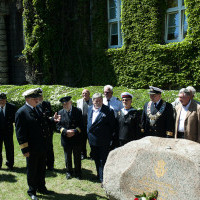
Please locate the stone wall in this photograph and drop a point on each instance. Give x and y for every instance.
(3, 44)
(11, 43)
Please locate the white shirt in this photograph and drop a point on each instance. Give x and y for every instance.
(157, 102)
(182, 117)
(115, 104)
(125, 111)
(95, 114)
(29, 105)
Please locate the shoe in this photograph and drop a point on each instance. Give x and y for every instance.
(68, 176)
(33, 197)
(9, 166)
(83, 157)
(45, 191)
(50, 168)
(79, 177)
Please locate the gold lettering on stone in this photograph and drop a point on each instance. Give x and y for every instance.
(160, 168)
(147, 184)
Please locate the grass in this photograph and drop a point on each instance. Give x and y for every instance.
(13, 184)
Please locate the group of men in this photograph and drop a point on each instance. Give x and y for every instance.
(106, 122)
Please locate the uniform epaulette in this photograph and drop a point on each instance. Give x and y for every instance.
(169, 133)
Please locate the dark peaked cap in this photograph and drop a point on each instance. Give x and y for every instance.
(2, 95)
(65, 99)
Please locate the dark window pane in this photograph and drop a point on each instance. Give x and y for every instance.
(113, 9)
(172, 3)
(114, 29)
(183, 3)
(173, 33)
(114, 40)
(114, 34)
(173, 19)
(113, 13)
(184, 24)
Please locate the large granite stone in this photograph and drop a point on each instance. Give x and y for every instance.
(170, 166)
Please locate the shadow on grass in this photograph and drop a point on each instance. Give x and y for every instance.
(19, 170)
(8, 178)
(88, 175)
(59, 196)
(51, 173)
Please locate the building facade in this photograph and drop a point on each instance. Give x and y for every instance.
(12, 70)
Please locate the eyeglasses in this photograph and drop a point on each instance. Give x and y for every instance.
(126, 99)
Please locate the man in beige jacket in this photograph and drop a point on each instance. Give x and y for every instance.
(187, 123)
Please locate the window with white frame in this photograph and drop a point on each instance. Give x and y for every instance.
(176, 21)
(114, 24)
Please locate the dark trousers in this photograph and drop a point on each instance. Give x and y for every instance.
(76, 150)
(100, 154)
(122, 142)
(36, 167)
(50, 153)
(7, 139)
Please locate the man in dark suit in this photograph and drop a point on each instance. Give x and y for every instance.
(100, 128)
(7, 118)
(70, 127)
(157, 116)
(45, 108)
(83, 105)
(32, 139)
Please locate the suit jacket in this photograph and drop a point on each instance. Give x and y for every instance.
(29, 130)
(128, 125)
(48, 120)
(74, 121)
(100, 133)
(164, 126)
(9, 118)
(192, 122)
(80, 104)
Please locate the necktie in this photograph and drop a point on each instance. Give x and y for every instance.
(68, 114)
(108, 103)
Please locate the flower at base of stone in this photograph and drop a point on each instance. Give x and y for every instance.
(149, 196)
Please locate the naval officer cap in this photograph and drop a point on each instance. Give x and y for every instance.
(126, 95)
(65, 99)
(155, 90)
(40, 91)
(31, 93)
(2, 95)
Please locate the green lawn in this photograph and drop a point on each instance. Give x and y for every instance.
(13, 184)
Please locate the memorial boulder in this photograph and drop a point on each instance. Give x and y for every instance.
(170, 166)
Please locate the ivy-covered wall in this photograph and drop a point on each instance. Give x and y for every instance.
(66, 43)
(145, 59)
(58, 44)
